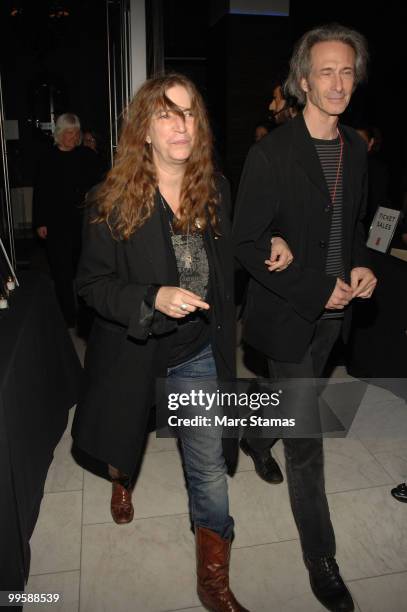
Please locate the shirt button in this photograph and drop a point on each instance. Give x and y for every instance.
(322, 244)
(219, 327)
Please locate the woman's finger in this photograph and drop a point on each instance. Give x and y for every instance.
(185, 296)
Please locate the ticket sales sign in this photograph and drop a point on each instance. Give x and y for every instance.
(382, 229)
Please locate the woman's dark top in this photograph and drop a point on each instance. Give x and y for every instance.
(193, 332)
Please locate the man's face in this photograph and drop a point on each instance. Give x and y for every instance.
(89, 141)
(277, 102)
(331, 80)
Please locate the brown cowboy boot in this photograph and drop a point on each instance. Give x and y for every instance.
(121, 505)
(212, 554)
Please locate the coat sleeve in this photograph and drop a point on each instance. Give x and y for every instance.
(307, 290)
(225, 202)
(360, 252)
(113, 298)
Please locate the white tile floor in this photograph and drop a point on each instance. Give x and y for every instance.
(148, 565)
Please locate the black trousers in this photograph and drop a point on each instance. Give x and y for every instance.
(63, 252)
(304, 456)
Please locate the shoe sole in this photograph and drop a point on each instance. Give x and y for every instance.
(273, 482)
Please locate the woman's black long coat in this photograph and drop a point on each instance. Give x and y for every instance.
(130, 344)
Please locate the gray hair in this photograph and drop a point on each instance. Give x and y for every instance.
(67, 121)
(300, 63)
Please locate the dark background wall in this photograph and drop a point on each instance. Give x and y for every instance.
(247, 53)
(38, 52)
(233, 62)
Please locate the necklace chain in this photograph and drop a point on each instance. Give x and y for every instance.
(186, 257)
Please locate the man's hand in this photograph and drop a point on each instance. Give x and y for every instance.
(178, 303)
(42, 232)
(340, 296)
(280, 256)
(363, 282)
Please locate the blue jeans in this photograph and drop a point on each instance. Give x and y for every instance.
(204, 463)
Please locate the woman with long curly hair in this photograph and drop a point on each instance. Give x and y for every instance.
(157, 267)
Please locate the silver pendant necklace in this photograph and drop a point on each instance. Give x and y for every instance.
(186, 256)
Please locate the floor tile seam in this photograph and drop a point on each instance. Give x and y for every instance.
(382, 486)
(80, 551)
(68, 491)
(237, 547)
(63, 491)
(397, 573)
(184, 514)
(65, 571)
(181, 609)
(244, 471)
(139, 518)
(377, 460)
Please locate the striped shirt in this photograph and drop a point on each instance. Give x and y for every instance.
(329, 155)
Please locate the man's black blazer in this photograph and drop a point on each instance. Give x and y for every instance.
(283, 190)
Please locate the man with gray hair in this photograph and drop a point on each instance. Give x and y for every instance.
(307, 180)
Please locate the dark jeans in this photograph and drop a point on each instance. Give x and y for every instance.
(304, 456)
(204, 462)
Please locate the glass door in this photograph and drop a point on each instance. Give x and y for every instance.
(119, 64)
(6, 215)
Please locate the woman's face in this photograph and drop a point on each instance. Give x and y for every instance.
(171, 136)
(69, 139)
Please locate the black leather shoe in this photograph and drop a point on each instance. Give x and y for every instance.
(266, 467)
(400, 492)
(328, 586)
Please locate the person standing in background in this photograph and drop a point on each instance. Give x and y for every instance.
(65, 173)
(282, 107)
(378, 177)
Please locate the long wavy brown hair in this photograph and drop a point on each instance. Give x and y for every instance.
(125, 200)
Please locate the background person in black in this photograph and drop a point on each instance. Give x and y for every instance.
(282, 107)
(96, 143)
(261, 130)
(378, 177)
(65, 173)
(307, 179)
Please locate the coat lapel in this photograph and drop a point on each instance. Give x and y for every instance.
(348, 193)
(156, 245)
(306, 155)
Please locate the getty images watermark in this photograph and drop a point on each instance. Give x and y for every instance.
(263, 408)
(258, 407)
(217, 401)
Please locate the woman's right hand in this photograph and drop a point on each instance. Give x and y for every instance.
(42, 232)
(178, 303)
